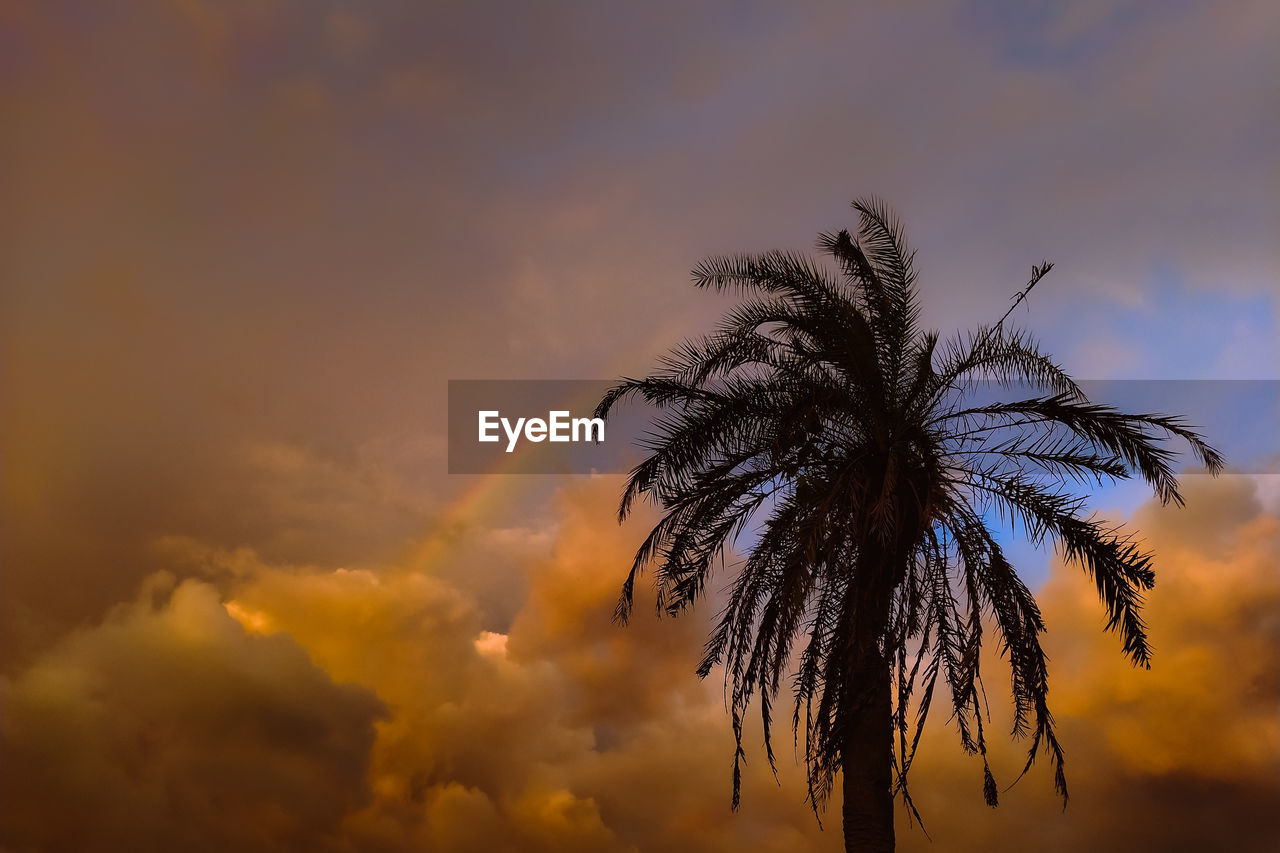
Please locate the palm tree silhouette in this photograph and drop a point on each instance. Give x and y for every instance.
(848, 440)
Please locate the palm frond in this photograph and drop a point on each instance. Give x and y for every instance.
(818, 415)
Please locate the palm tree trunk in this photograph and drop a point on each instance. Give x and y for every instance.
(866, 759)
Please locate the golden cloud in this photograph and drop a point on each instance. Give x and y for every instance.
(168, 727)
(242, 710)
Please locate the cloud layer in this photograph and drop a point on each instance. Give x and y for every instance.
(167, 727)
(245, 244)
(239, 231)
(272, 706)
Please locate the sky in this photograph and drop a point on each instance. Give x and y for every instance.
(245, 245)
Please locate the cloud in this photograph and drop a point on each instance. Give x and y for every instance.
(551, 730)
(1185, 756)
(567, 732)
(103, 524)
(332, 211)
(168, 727)
(246, 244)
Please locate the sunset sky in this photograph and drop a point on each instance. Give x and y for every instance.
(245, 245)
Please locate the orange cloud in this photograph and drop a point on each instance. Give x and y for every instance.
(168, 727)
(1185, 756)
(566, 732)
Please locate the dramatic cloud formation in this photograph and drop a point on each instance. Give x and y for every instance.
(1185, 756)
(167, 727)
(244, 245)
(277, 225)
(193, 717)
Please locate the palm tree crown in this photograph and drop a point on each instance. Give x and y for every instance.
(819, 415)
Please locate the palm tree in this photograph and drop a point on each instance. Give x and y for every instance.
(819, 417)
